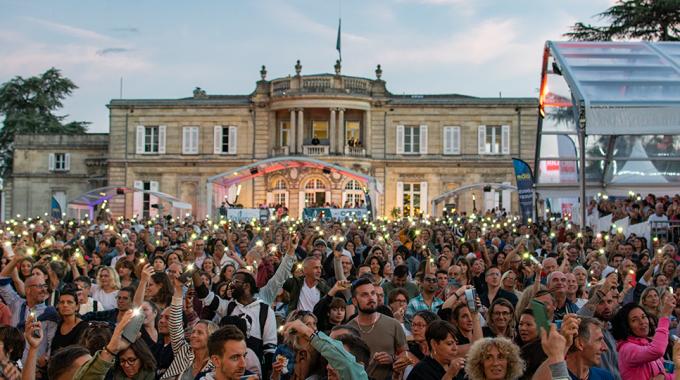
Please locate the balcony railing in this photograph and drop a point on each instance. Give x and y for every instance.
(315, 150)
(320, 84)
(355, 151)
(280, 151)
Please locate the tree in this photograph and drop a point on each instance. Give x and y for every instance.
(651, 20)
(28, 106)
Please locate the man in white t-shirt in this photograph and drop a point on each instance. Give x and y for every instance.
(306, 291)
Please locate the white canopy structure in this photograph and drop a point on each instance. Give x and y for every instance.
(612, 108)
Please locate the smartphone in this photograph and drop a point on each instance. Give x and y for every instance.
(540, 315)
(471, 298)
(133, 327)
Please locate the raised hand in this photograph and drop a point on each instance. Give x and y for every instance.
(33, 333)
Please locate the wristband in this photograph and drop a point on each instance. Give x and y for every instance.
(106, 348)
(313, 335)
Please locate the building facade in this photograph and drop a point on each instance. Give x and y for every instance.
(53, 168)
(416, 146)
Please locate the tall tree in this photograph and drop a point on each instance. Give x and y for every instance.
(28, 106)
(652, 20)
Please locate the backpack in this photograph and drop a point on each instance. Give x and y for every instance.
(253, 343)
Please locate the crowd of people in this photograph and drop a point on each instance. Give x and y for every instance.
(461, 297)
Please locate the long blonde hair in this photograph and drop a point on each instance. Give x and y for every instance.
(112, 273)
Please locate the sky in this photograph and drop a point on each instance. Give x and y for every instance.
(164, 49)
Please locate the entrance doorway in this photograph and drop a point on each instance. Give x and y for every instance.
(315, 193)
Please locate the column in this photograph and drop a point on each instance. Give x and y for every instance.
(366, 132)
(333, 134)
(341, 130)
(291, 133)
(300, 128)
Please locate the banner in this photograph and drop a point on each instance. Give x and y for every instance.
(248, 214)
(324, 213)
(525, 188)
(55, 209)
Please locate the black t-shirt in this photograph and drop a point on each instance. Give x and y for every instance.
(430, 369)
(70, 338)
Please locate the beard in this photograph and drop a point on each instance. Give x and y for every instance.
(237, 293)
(368, 309)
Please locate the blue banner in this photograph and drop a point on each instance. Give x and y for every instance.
(525, 188)
(55, 209)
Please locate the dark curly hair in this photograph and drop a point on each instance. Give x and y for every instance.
(620, 327)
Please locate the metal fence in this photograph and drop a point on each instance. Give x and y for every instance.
(667, 230)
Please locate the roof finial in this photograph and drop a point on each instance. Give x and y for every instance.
(263, 73)
(298, 67)
(378, 72)
(338, 67)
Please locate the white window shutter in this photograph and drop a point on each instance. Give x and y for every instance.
(423, 198)
(153, 186)
(400, 139)
(50, 162)
(137, 198)
(455, 140)
(270, 198)
(400, 197)
(301, 202)
(194, 140)
(447, 140)
(140, 139)
(217, 137)
(481, 139)
(233, 140)
(67, 161)
(505, 139)
(161, 139)
(186, 140)
(423, 139)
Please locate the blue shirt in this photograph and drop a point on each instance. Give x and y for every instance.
(595, 373)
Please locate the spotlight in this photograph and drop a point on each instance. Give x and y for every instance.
(326, 171)
(253, 171)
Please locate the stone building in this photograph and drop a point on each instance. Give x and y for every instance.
(416, 146)
(58, 167)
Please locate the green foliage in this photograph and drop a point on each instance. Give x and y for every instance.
(28, 106)
(651, 20)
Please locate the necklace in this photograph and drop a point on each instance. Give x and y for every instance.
(372, 325)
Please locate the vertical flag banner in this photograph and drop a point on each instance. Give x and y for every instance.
(56, 209)
(525, 188)
(337, 43)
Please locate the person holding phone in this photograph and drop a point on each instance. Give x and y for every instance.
(641, 348)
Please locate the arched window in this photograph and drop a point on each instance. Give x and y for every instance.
(353, 195)
(280, 193)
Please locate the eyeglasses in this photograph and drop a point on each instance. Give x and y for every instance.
(128, 362)
(400, 300)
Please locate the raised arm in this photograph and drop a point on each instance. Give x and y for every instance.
(146, 274)
(267, 293)
(332, 350)
(175, 325)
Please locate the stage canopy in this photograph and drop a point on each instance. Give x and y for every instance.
(234, 177)
(616, 105)
(87, 202)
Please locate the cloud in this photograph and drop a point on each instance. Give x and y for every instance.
(69, 30)
(295, 19)
(131, 30)
(108, 51)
